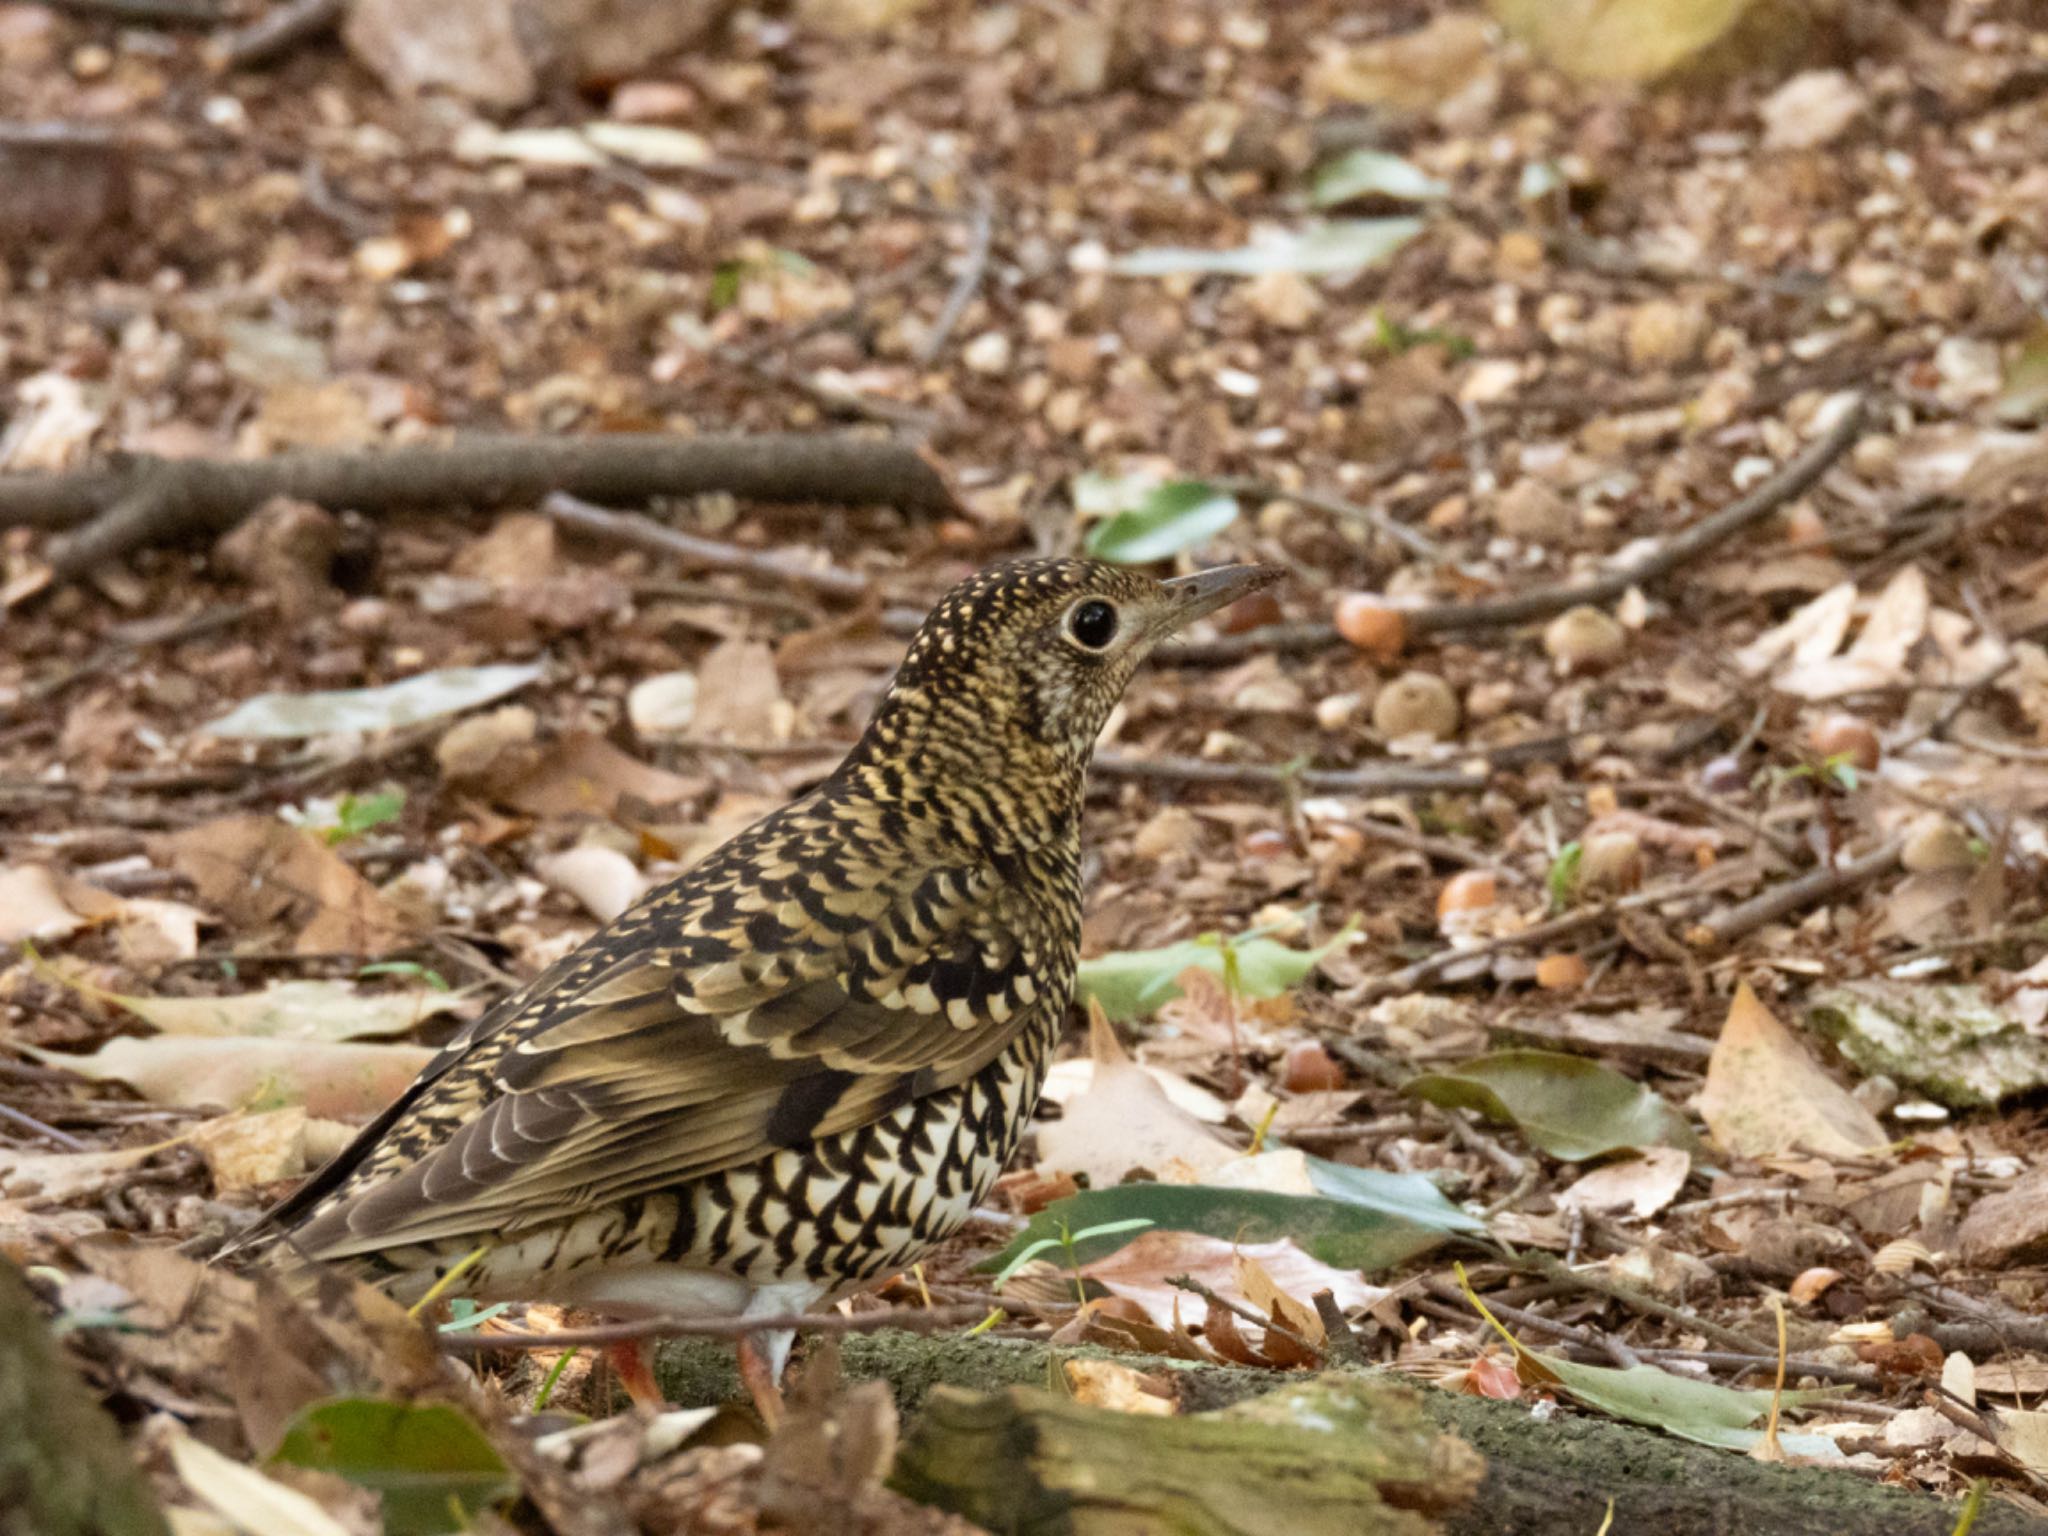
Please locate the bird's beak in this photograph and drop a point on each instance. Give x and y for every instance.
(1189, 598)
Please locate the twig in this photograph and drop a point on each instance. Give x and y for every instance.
(1454, 1306)
(36, 1127)
(1247, 1314)
(639, 532)
(1380, 779)
(1344, 1346)
(151, 500)
(1730, 1360)
(909, 1319)
(969, 280)
(1322, 501)
(279, 30)
(1638, 1301)
(148, 13)
(1810, 889)
(1709, 533)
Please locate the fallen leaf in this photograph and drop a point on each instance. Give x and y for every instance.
(1341, 248)
(1110, 1384)
(335, 1082)
(1134, 982)
(1640, 1186)
(257, 871)
(1569, 1107)
(284, 1010)
(409, 701)
(1631, 40)
(1141, 1268)
(31, 909)
(581, 775)
(432, 1468)
(739, 696)
(252, 1503)
(1161, 522)
(61, 1176)
(603, 879)
(1765, 1095)
(1125, 1122)
(249, 1151)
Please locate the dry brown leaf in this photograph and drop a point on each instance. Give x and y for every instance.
(58, 1176)
(1109, 1384)
(1125, 1122)
(256, 871)
(249, 1151)
(1765, 1095)
(739, 696)
(581, 775)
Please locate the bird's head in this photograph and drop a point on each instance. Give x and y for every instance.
(1024, 662)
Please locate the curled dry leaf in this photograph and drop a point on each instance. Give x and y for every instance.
(249, 1151)
(1640, 1186)
(32, 909)
(1809, 1285)
(1765, 1094)
(1109, 1384)
(1140, 1270)
(60, 1176)
(256, 871)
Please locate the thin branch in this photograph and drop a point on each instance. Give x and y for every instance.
(909, 1319)
(280, 30)
(1322, 501)
(148, 13)
(1639, 1301)
(150, 500)
(1797, 477)
(1378, 779)
(637, 532)
(1809, 890)
(35, 1127)
(967, 284)
(1247, 1314)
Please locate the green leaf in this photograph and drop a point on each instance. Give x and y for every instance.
(1176, 516)
(1563, 877)
(410, 700)
(1567, 1106)
(1343, 1232)
(1410, 1196)
(433, 1466)
(1340, 248)
(356, 814)
(1702, 1411)
(1130, 983)
(1373, 173)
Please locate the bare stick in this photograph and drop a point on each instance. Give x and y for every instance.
(148, 13)
(149, 500)
(969, 281)
(1709, 533)
(35, 1127)
(1810, 889)
(1345, 1348)
(638, 532)
(1250, 1315)
(280, 30)
(1265, 490)
(1639, 1301)
(1379, 779)
(909, 1319)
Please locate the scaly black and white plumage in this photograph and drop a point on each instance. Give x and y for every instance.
(801, 1064)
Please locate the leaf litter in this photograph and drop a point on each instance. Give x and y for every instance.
(1547, 327)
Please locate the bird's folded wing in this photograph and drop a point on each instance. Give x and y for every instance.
(679, 1062)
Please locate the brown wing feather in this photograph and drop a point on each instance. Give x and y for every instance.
(602, 1081)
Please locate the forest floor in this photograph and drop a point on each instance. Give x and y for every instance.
(1694, 945)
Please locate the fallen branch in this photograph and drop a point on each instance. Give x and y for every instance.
(1810, 889)
(149, 500)
(280, 30)
(1378, 779)
(637, 532)
(1265, 490)
(904, 1319)
(1709, 533)
(966, 285)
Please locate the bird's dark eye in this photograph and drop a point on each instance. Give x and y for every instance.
(1093, 624)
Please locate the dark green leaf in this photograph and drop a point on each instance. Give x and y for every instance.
(1410, 1196)
(433, 1466)
(1176, 516)
(1569, 1107)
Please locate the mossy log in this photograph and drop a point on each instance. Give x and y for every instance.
(1545, 1476)
(63, 1468)
(1344, 1455)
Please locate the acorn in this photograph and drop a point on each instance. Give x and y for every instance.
(1561, 973)
(1471, 891)
(1583, 639)
(1611, 861)
(1845, 738)
(1372, 624)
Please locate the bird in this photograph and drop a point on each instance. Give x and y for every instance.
(800, 1065)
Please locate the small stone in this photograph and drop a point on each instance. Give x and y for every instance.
(653, 101)
(1532, 511)
(1286, 300)
(1584, 639)
(1934, 842)
(468, 748)
(1810, 110)
(1170, 831)
(988, 353)
(663, 705)
(1666, 334)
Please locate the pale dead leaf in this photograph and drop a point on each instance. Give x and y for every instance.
(1280, 1172)
(1642, 1185)
(1140, 1270)
(1813, 633)
(153, 931)
(31, 909)
(1109, 1384)
(581, 775)
(739, 696)
(254, 1504)
(2023, 1435)
(59, 1176)
(1765, 1095)
(1069, 1079)
(604, 880)
(248, 1151)
(1125, 1121)
(1877, 659)
(284, 1010)
(336, 1081)
(1264, 1292)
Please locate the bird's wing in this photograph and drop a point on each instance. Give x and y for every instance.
(696, 1035)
